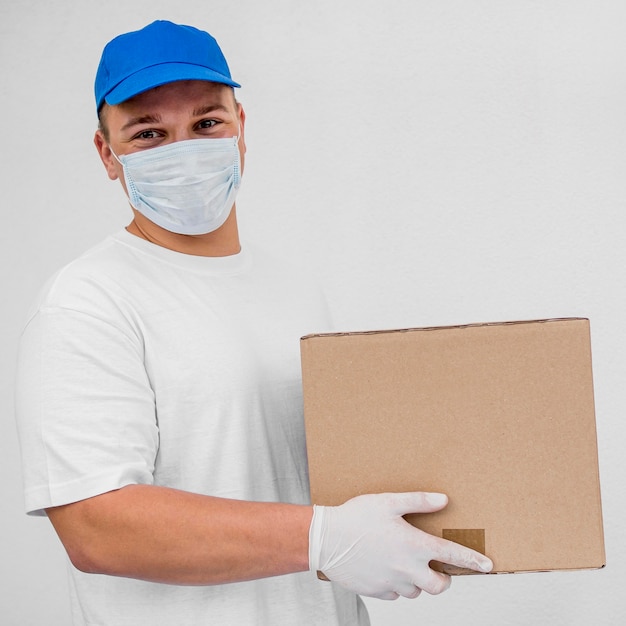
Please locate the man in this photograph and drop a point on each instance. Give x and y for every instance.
(158, 395)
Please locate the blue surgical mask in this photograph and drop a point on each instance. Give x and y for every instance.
(187, 187)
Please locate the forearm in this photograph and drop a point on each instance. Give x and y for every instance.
(164, 535)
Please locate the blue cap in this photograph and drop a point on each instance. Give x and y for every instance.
(159, 53)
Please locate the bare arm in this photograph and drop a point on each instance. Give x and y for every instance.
(169, 536)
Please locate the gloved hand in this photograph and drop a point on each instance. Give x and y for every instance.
(367, 547)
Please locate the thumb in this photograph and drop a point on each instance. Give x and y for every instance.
(416, 502)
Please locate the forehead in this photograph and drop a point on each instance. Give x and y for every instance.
(179, 94)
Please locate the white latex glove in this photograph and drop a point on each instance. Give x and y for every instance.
(367, 547)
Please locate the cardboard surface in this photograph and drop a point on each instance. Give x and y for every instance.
(500, 417)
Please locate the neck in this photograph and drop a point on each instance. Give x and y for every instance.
(222, 242)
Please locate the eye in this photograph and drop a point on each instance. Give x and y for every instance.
(147, 134)
(207, 123)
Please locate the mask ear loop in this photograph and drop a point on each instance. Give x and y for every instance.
(115, 155)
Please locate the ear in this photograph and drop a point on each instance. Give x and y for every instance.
(242, 125)
(111, 164)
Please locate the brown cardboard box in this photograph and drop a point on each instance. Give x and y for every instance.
(498, 416)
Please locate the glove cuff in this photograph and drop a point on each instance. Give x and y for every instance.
(315, 537)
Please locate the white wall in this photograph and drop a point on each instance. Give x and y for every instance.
(440, 162)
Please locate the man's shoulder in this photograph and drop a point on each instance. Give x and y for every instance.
(97, 270)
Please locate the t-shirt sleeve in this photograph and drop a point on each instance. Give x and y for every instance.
(85, 408)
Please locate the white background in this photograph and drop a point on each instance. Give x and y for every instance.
(438, 162)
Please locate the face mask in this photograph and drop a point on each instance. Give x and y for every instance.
(187, 187)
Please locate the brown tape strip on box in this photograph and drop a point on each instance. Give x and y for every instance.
(473, 538)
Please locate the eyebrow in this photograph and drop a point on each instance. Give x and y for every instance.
(209, 108)
(141, 119)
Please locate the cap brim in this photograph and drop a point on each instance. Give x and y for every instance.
(161, 74)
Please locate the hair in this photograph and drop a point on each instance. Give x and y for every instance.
(102, 127)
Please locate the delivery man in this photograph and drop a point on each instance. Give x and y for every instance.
(159, 394)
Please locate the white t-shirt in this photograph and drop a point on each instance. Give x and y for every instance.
(143, 365)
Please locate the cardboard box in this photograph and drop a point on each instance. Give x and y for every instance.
(500, 417)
